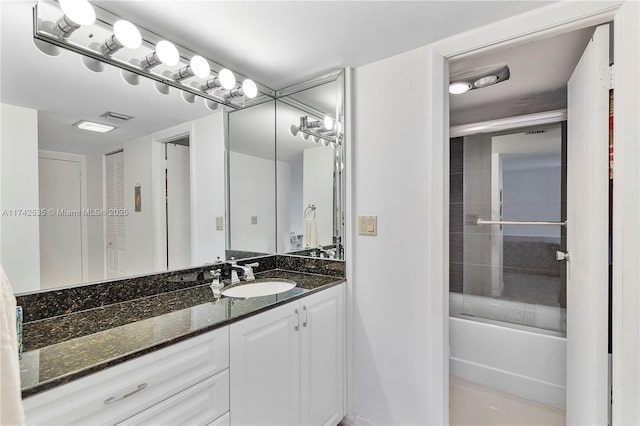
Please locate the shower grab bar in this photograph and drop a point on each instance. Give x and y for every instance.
(507, 222)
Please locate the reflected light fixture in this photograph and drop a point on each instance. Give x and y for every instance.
(248, 89)
(77, 13)
(93, 127)
(125, 34)
(165, 53)
(293, 130)
(225, 79)
(328, 122)
(198, 66)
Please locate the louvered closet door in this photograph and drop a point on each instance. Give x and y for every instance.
(114, 174)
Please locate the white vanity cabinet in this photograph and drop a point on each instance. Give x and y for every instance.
(287, 364)
(185, 383)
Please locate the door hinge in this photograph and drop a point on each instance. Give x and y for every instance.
(611, 73)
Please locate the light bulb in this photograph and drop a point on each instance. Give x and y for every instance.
(127, 34)
(227, 79)
(200, 67)
(249, 88)
(167, 53)
(304, 136)
(458, 88)
(293, 130)
(79, 11)
(328, 122)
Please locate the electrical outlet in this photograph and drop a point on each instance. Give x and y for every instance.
(368, 225)
(219, 223)
(254, 220)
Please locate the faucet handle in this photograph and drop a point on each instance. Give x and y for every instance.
(252, 265)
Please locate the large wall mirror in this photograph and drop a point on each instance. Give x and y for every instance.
(286, 173)
(81, 206)
(311, 168)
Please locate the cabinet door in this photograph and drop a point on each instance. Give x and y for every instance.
(322, 358)
(264, 365)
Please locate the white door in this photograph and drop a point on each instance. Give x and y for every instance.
(114, 187)
(587, 234)
(178, 207)
(321, 358)
(264, 365)
(61, 229)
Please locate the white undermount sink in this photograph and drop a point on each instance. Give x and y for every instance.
(258, 288)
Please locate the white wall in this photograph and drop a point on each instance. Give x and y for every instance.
(283, 205)
(138, 226)
(394, 348)
(252, 190)
(207, 188)
(318, 189)
(19, 169)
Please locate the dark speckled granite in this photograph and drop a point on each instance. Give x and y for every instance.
(334, 268)
(63, 301)
(67, 347)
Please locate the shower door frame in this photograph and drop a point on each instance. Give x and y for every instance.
(541, 23)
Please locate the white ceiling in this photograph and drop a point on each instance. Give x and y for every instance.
(277, 43)
(280, 43)
(540, 71)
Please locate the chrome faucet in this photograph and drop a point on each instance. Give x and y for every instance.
(330, 253)
(230, 271)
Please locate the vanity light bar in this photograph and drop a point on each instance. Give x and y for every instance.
(164, 52)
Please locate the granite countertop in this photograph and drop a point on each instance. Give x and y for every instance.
(67, 347)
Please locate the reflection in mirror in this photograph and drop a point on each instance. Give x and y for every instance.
(310, 169)
(251, 175)
(80, 205)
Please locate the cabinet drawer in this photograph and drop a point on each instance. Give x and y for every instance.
(197, 406)
(115, 394)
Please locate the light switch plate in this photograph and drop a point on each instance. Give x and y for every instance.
(368, 225)
(254, 220)
(219, 223)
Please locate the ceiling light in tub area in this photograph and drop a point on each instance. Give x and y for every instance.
(481, 77)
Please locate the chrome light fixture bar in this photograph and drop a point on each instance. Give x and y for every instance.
(46, 19)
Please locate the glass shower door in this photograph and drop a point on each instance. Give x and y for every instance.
(503, 269)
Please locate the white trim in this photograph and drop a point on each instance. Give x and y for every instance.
(82, 160)
(626, 211)
(541, 23)
(114, 150)
(349, 219)
(508, 123)
(157, 169)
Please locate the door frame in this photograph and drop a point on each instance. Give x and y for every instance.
(82, 160)
(545, 22)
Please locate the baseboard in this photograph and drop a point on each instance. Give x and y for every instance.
(359, 421)
(523, 386)
(349, 420)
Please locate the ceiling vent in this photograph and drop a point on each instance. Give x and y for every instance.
(116, 116)
(535, 132)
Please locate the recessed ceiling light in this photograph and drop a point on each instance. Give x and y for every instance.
(459, 87)
(93, 127)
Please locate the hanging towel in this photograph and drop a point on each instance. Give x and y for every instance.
(310, 237)
(11, 410)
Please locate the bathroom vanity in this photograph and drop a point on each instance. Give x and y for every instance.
(186, 357)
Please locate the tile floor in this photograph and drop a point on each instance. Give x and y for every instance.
(476, 405)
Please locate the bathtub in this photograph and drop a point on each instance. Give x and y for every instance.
(519, 360)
